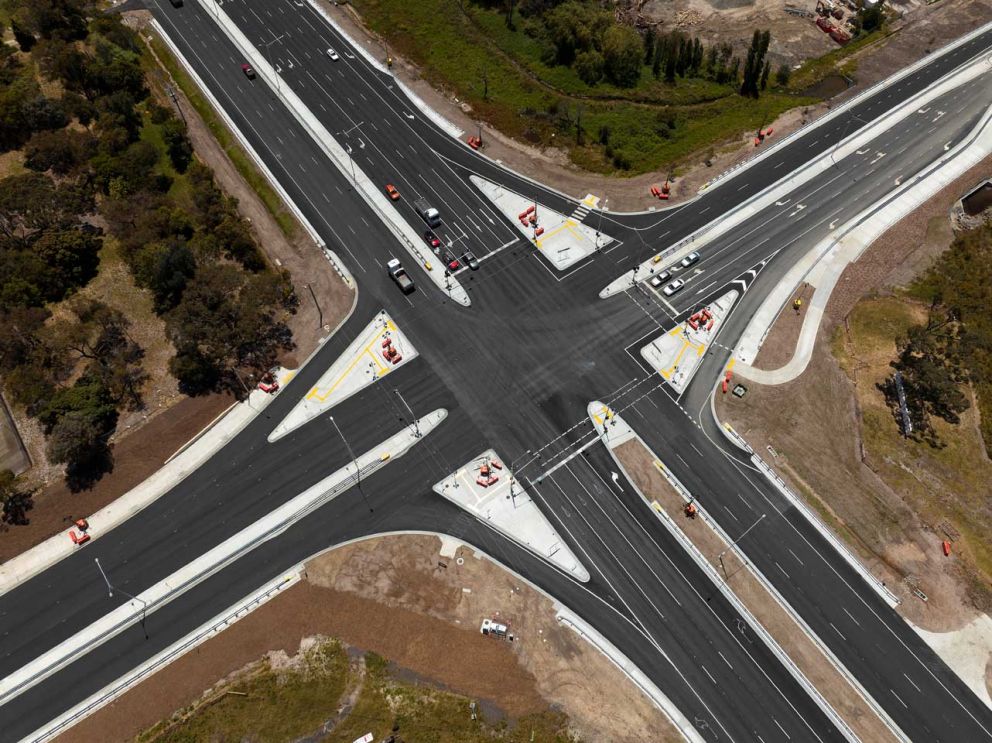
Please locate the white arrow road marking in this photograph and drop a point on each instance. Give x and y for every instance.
(409, 116)
(783, 202)
(939, 114)
(947, 147)
(898, 180)
(616, 479)
(861, 152)
(880, 156)
(832, 225)
(361, 144)
(923, 110)
(799, 208)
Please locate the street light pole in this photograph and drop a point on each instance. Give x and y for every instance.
(599, 226)
(416, 421)
(268, 55)
(110, 594)
(358, 469)
(734, 543)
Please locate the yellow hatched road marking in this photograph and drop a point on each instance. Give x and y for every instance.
(381, 371)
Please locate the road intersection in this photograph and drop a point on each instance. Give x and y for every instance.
(516, 371)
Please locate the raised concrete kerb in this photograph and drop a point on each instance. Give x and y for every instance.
(676, 355)
(689, 546)
(242, 140)
(363, 363)
(429, 112)
(500, 502)
(845, 106)
(342, 160)
(176, 650)
(824, 264)
(588, 633)
(216, 559)
(563, 241)
(776, 191)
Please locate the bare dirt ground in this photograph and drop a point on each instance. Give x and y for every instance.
(389, 595)
(780, 342)
(835, 472)
(936, 25)
(136, 457)
(841, 696)
(145, 438)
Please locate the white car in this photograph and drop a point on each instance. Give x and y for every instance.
(657, 281)
(333, 55)
(690, 259)
(673, 288)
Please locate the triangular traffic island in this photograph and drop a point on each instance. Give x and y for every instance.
(563, 240)
(379, 349)
(487, 489)
(677, 354)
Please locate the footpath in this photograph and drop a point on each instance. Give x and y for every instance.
(855, 713)
(172, 587)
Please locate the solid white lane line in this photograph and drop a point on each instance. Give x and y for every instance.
(900, 699)
(709, 674)
(851, 616)
(781, 728)
(914, 684)
(725, 660)
(838, 631)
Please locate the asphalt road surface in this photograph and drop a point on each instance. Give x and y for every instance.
(516, 371)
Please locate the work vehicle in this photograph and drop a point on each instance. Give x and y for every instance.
(427, 212)
(333, 55)
(391, 192)
(249, 71)
(657, 281)
(399, 275)
(673, 288)
(431, 239)
(469, 259)
(690, 259)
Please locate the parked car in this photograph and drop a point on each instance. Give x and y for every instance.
(333, 55)
(657, 281)
(673, 288)
(391, 192)
(690, 259)
(248, 70)
(469, 259)
(431, 239)
(451, 262)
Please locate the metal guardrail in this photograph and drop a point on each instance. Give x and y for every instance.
(170, 654)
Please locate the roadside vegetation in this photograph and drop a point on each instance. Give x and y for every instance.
(320, 695)
(569, 74)
(109, 177)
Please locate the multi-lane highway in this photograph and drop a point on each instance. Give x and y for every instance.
(516, 371)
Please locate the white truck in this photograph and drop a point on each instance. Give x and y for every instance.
(399, 275)
(427, 212)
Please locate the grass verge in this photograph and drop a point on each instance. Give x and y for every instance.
(948, 483)
(651, 127)
(242, 161)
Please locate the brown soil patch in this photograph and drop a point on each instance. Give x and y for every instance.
(941, 22)
(308, 267)
(780, 343)
(136, 457)
(389, 595)
(848, 703)
(868, 512)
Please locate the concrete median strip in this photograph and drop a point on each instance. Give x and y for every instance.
(487, 489)
(840, 696)
(216, 559)
(379, 349)
(826, 261)
(154, 664)
(342, 160)
(780, 190)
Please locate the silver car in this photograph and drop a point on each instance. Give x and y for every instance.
(333, 55)
(690, 259)
(673, 288)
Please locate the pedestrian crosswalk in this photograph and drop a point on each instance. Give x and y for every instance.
(580, 212)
